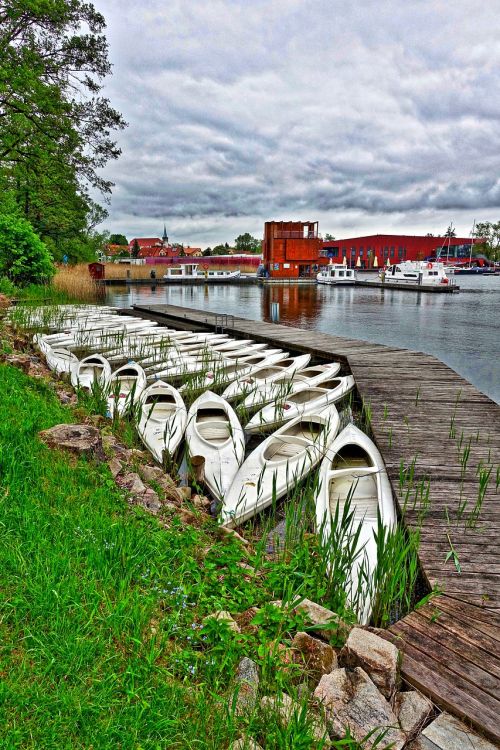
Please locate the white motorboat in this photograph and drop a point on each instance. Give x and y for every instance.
(278, 463)
(416, 272)
(336, 273)
(291, 382)
(93, 369)
(192, 271)
(263, 376)
(125, 386)
(302, 401)
(162, 419)
(59, 359)
(214, 432)
(354, 469)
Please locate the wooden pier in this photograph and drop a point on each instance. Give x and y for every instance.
(440, 439)
(437, 289)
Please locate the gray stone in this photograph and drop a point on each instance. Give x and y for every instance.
(379, 658)
(412, 709)
(285, 709)
(185, 493)
(115, 466)
(323, 621)
(318, 657)
(149, 500)
(247, 678)
(132, 483)
(245, 743)
(351, 700)
(201, 502)
(448, 733)
(80, 439)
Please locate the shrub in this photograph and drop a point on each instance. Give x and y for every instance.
(24, 258)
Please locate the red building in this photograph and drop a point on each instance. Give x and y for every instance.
(292, 249)
(395, 247)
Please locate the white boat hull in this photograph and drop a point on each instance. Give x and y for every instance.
(125, 386)
(162, 419)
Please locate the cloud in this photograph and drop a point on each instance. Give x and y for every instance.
(367, 116)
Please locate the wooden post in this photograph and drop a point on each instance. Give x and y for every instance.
(198, 468)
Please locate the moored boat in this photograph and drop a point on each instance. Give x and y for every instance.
(265, 375)
(353, 472)
(92, 369)
(278, 463)
(335, 274)
(291, 382)
(416, 272)
(213, 431)
(162, 419)
(125, 386)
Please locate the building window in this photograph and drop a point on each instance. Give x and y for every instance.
(400, 252)
(353, 252)
(392, 252)
(386, 252)
(344, 252)
(361, 252)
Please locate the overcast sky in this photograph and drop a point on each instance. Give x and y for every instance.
(366, 115)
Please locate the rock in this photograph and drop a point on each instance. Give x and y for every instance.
(132, 483)
(67, 399)
(20, 361)
(245, 743)
(149, 500)
(231, 532)
(185, 493)
(247, 678)
(115, 466)
(152, 474)
(448, 733)
(285, 709)
(164, 482)
(275, 540)
(319, 658)
(245, 618)
(112, 446)
(186, 516)
(80, 439)
(223, 616)
(201, 502)
(351, 699)
(412, 709)
(379, 659)
(318, 617)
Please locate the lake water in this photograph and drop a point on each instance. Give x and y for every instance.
(463, 329)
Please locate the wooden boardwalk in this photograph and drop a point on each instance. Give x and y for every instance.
(440, 439)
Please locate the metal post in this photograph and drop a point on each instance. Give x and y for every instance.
(275, 312)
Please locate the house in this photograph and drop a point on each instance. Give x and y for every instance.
(193, 252)
(116, 249)
(145, 243)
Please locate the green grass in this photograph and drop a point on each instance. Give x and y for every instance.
(101, 614)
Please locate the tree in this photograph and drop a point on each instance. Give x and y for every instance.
(24, 258)
(118, 239)
(220, 250)
(56, 128)
(490, 233)
(245, 243)
(136, 248)
(329, 237)
(207, 252)
(450, 232)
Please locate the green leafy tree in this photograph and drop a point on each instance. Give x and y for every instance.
(329, 237)
(489, 232)
(450, 232)
(136, 248)
(245, 243)
(118, 239)
(220, 250)
(24, 258)
(56, 127)
(207, 252)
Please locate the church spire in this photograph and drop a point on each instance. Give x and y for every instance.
(165, 236)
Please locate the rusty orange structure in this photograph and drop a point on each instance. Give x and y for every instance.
(291, 249)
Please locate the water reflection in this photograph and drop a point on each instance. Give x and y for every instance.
(461, 329)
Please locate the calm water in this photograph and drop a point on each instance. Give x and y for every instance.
(463, 329)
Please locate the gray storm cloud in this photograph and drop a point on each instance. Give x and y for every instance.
(368, 116)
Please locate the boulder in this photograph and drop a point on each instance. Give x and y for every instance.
(132, 483)
(80, 439)
(412, 709)
(20, 361)
(318, 657)
(185, 493)
(379, 659)
(115, 466)
(201, 502)
(323, 621)
(247, 678)
(448, 733)
(352, 700)
(149, 500)
(285, 709)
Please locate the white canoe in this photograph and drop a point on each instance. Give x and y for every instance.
(93, 369)
(291, 382)
(278, 463)
(214, 432)
(59, 359)
(354, 468)
(162, 419)
(265, 375)
(304, 400)
(226, 372)
(125, 386)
